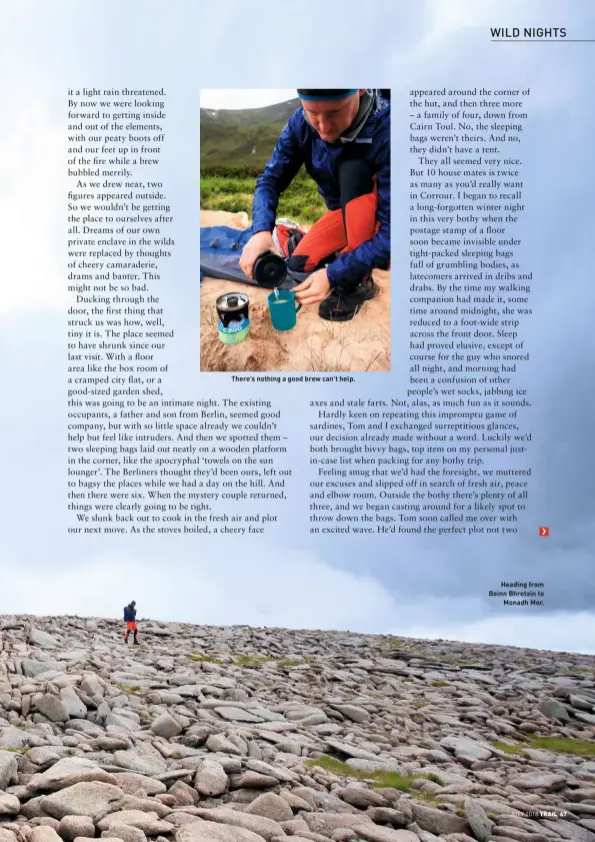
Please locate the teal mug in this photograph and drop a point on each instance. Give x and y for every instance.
(283, 309)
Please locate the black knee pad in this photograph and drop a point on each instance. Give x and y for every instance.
(297, 263)
(356, 178)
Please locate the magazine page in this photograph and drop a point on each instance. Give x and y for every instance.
(296, 455)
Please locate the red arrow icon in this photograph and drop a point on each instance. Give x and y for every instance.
(544, 532)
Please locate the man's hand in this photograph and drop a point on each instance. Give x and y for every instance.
(314, 288)
(262, 241)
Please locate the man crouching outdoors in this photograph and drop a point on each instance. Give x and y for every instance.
(342, 138)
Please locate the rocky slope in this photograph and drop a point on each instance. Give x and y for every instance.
(205, 734)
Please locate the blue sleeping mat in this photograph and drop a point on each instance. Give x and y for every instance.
(220, 251)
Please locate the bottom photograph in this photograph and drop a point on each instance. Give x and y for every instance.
(201, 733)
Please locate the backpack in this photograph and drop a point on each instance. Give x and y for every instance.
(127, 614)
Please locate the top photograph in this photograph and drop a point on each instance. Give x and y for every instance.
(295, 230)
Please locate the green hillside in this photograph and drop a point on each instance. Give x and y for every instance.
(241, 141)
(234, 148)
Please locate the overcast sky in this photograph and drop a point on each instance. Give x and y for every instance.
(424, 586)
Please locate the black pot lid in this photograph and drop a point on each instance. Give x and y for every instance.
(232, 301)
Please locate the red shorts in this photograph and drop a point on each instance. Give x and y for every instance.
(131, 626)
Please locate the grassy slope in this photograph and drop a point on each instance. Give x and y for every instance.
(240, 141)
(234, 148)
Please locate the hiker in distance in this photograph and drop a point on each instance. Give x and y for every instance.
(342, 138)
(130, 620)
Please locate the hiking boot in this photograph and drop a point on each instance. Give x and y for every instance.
(342, 305)
(137, 643)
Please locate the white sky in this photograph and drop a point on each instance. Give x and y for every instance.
(244, 97)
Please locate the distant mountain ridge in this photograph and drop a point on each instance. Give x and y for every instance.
(241, 140)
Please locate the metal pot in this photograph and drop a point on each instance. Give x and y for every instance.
(234, 319)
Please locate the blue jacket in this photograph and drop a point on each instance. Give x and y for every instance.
(300, 144)
(129, 614)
